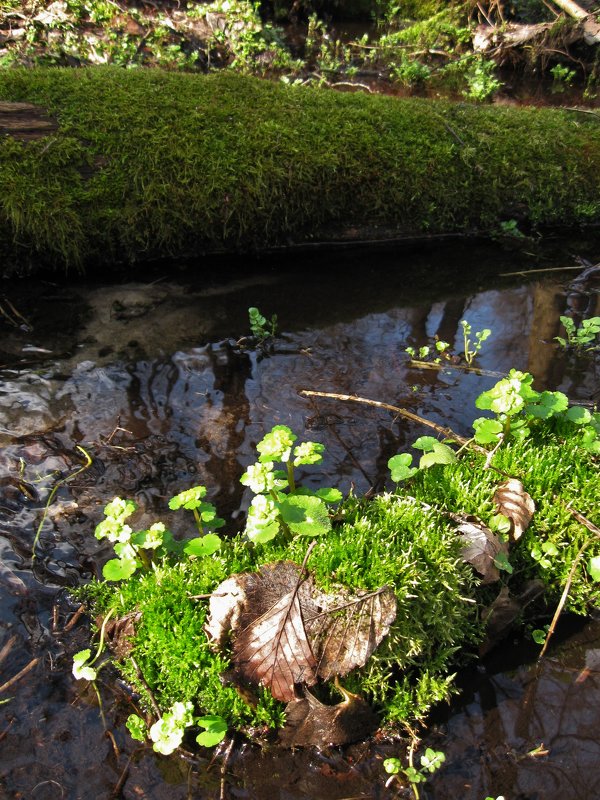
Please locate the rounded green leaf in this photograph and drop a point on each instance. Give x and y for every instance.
(593, 567)
(119, 569)
(216, 728)
(305, 515)
(203, 545)
(400, 467)
(578, 415)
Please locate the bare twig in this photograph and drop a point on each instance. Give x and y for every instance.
(19, 675)
(224, 768)
(7, 648)
(448, 365)
(144, 683)
(563, 598)
(543, 269)
(74, 619)
(403, 412)
(116, 792)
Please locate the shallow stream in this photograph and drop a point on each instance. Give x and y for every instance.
(150, 379)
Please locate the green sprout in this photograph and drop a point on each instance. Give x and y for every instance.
(480, 337)
(583, 338)
(260, 326)
(431, 760)
(168, 731)
(434, 452)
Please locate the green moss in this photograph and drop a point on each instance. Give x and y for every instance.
(149, 163)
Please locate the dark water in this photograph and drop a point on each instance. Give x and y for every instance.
(147, 378)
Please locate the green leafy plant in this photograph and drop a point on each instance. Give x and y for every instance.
(431, 760)
(480, 337)
(168, 731)
(434, 452)
(279, 504)
(582, 338)
(260, 326)
(141, 549)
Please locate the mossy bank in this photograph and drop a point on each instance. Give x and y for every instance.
(144, 164)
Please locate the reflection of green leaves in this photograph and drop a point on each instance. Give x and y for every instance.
(400, 467)
(305, 515)
(593, 568)
(202, 545)
(215, 730)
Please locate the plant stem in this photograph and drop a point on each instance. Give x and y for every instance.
(198, 519)
(290, 476)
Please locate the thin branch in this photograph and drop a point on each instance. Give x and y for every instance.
(448, 365)
(403, 412)
(19, 675)
(144, 683)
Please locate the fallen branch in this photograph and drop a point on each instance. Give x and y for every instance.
(563, 598)
(19, 675)
(403, 412)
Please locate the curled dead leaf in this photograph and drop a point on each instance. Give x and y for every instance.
(481, 546)
(514, 503)
(310, 723)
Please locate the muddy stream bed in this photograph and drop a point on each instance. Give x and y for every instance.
(147, 377)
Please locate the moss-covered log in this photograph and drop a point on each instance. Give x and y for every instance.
(148, 163)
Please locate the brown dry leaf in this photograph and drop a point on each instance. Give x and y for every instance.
(514, 502)
(120, 633)
(272, 648)
(348, 629)
(310, 723)
(482, 547)
(288, 633)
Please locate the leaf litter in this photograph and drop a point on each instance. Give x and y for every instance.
(288, 635)
(514, 503)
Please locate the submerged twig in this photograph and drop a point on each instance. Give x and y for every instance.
(563, 598)
(403, 412)
(448, 365)
(7, 647)
(144, 683)
(19, 675)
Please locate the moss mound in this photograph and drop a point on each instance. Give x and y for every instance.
(153, 164)
(405, 540)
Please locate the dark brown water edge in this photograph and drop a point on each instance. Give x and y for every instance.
(147, 377)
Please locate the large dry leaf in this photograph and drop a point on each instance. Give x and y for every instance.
(514, 502)
(481, 546)
(288, 633)
(348, 629)
(272, 648)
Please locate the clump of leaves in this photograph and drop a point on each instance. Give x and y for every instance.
(279, 504)
(518, 407)
(260, 327)
(431, 760)
(141, 549)
(168, 731)
(582, 338)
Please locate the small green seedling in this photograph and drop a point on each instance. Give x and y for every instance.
(539, 635)
(431, 760)
(472, 349)
(260, 326)
(582, 338)
(168, 731)
(434, 452)
(297, 511)
(543, 554)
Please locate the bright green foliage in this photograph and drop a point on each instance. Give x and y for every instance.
(260, 326)
(434, 452)
(205, 514)
(480, 338)
(301, 511)
(431, 760)
(583, 338)
(400, 467)
(167, 732)
(81, 666)
(215, 730)
(593, 568)
(137, 728)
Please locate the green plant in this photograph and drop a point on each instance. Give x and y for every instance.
(260, 327)
(582, 338)
(297, 511)
(431, 760)
(518, 407)
(480, 338)
(141, 549)
(481, 80)
(434, 452)
(167, 732)
(562, 74)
